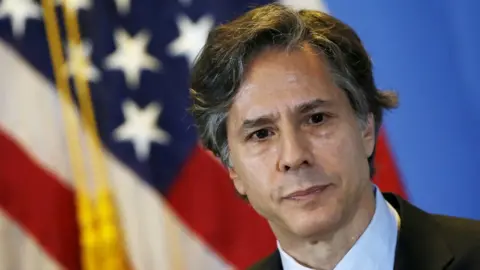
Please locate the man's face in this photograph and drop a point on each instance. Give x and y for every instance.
(298, 151)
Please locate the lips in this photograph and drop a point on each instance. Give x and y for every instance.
(306, 192)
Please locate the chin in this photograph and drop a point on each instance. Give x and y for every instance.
(314, 223)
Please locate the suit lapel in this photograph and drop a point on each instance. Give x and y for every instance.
(419, 244)
(272, 262)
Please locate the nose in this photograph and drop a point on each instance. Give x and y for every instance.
(294, 152)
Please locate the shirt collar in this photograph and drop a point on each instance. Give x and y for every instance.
(375, 249)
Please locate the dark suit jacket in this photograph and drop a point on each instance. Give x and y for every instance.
(425, 241)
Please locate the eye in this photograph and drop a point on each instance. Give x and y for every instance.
(261, 134)
(317, 118)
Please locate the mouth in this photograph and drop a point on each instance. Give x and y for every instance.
(306, 193)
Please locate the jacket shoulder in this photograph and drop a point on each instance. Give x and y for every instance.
(462, 234)
(432, 241)
(462, 237)
(457, 231)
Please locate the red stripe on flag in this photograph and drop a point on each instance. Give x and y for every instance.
(387, 175)
(225, 222)
(36, 200)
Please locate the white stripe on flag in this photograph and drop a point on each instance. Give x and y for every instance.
(30, 114)
(18, 250)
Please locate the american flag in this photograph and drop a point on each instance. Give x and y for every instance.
(173, 198)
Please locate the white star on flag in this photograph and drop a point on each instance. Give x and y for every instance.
(140, 127)
(19, 12)
(79, 62)
(75, 5)
(131, 56)
(123, 6)
(192, 37)
(306, 4)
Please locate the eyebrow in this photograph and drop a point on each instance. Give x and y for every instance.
(312, 105)
(266, 119)
(257, 122)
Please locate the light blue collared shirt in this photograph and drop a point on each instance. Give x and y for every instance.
(374, 250)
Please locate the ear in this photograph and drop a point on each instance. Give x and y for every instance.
(237, 181)
(368, 135)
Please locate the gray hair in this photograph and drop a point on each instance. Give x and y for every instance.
(219, 69)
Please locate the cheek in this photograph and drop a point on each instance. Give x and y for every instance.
(255, 170)
(336, 152)
(257, 177)
(259, 158)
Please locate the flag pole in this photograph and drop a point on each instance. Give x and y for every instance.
(111, 246)
(100, 237)
(72, 130)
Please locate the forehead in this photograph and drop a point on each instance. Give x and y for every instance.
(277, 80)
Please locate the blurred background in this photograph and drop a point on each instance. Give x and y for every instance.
(100, 166)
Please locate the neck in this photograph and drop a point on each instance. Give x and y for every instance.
(325, 251)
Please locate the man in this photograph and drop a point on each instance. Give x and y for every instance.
(288, 102)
